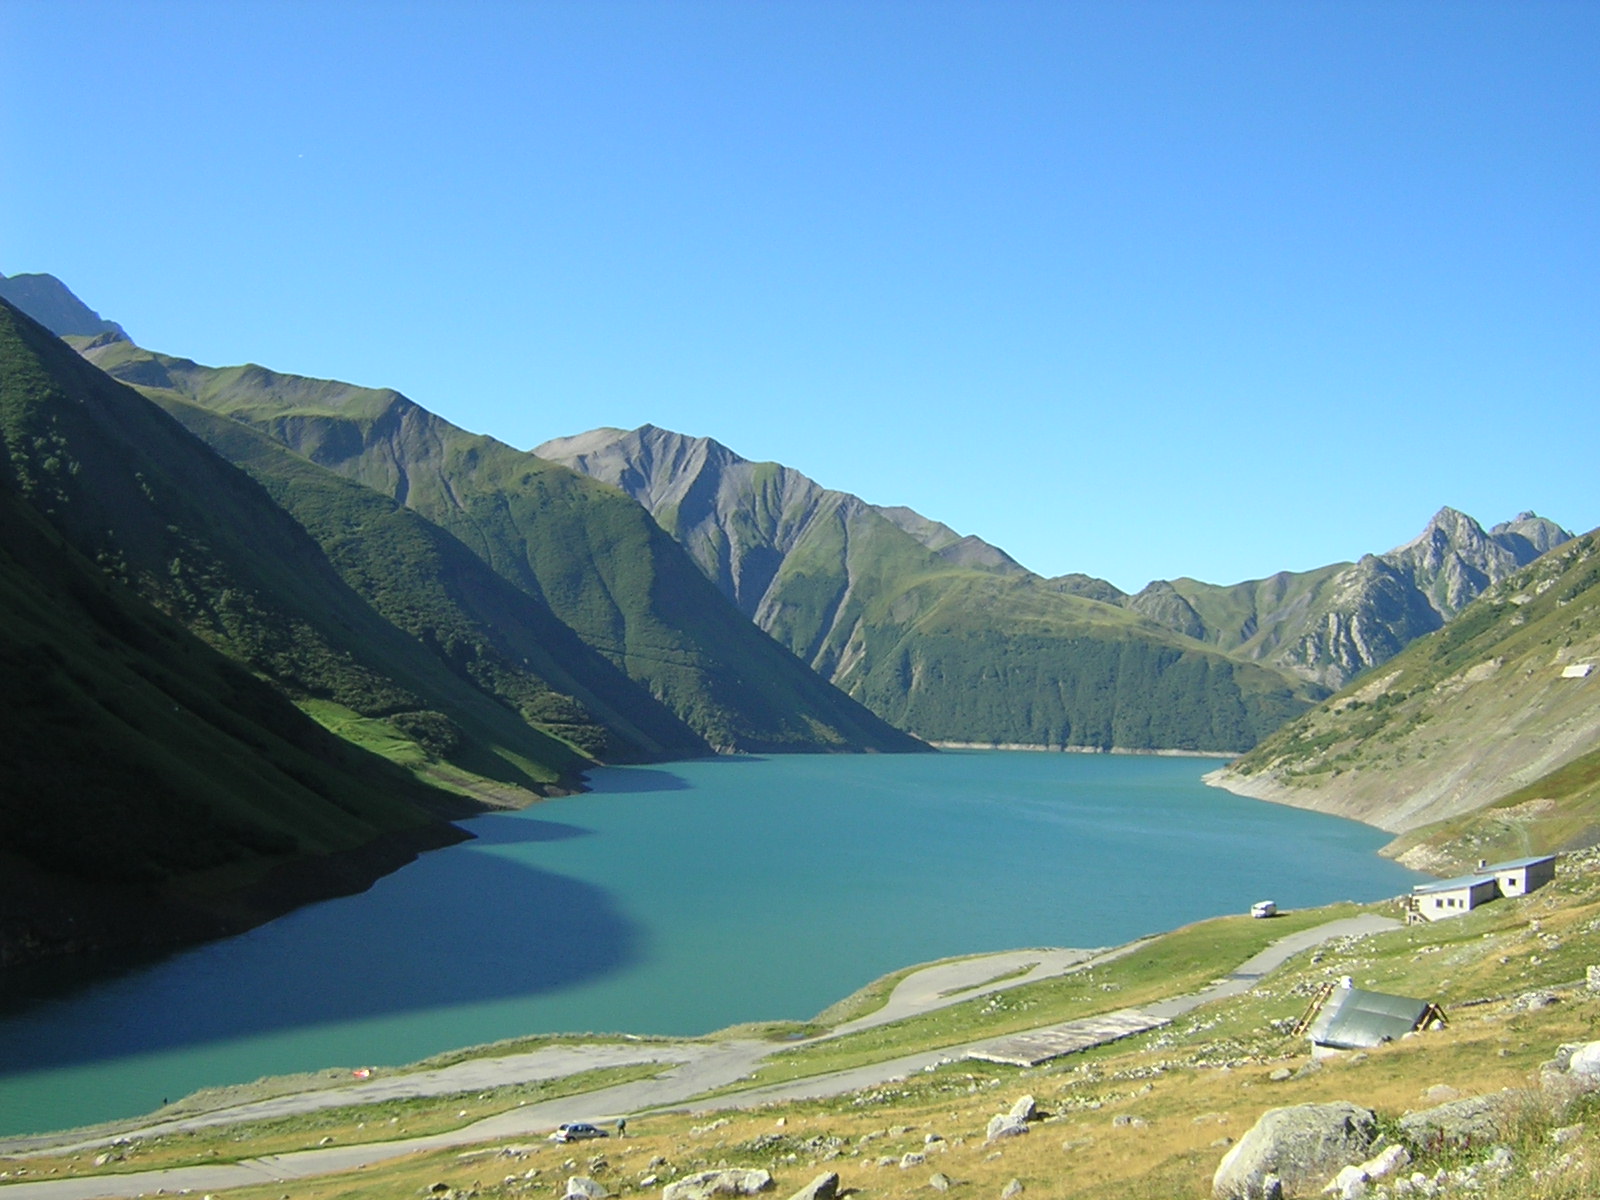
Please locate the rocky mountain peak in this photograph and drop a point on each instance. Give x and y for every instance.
(51, 303)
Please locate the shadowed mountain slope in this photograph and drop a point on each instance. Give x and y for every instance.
(51, 303)
(152, 791)
(942, 635)
(134, 491)
(587, 554)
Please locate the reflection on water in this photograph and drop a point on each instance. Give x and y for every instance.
(679, 900)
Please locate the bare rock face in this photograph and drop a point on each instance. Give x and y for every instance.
(1296, 1150)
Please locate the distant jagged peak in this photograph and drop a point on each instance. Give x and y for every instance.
(1450, 531)
(51, 303)
(1541, 533)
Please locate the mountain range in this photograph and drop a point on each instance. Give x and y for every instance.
(953, 639)
(132, 799)
(1480, 740)
(266, 634)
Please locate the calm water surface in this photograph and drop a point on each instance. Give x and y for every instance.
(680, 899)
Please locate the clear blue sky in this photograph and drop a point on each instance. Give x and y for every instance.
(1136, 289)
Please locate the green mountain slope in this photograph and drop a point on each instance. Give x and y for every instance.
(1496, 708)
(944, 636)
(152, 791)
(1330, 624)
(428, 584)
(131, 489)
(598, 563)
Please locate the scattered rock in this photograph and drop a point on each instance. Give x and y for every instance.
(931, 1138)
(823, 1187)
(912, 1159)
(729, 1181)
(1391, 1160)
(581, 1187)
(1351, 1183)
(1024, 1109)
(1003, 1126)
(1281, 1074)
(701, 1130)
(1592, 978)
(1011, 1190)
(1533, 1001)
(1124, 1121)
(1296, 1148)
(1440, 1093)
(1585, 1060)
(940, 1182)
(1565, 1134)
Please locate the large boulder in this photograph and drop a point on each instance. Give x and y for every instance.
(1004, 1126)
(823, 1187)
(1462, 1124)
(728, 1182)
(1298, 1148)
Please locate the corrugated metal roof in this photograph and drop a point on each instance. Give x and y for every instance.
(1517, 863)
(1450, 885)
(1352, 1019)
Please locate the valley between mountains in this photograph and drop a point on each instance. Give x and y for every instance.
(266, 635)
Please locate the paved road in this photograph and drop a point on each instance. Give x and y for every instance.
(712, 1065)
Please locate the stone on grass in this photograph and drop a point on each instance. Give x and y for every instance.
(1474, 1121)
(731, 1181)
(1011, 1190)
(1585, 1060)
(1004, 1126)
(823, 1187)
(581, 1187)
(1025, 1109)
(940, 1182)
(1297, 1149)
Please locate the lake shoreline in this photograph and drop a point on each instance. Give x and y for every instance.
(1039, 748)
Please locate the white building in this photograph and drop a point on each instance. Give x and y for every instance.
(1455, 897)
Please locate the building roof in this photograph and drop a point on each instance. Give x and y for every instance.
(1352, 1019)
(1460, 881)
(1513, 864)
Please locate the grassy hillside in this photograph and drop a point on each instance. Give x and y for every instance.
(942, 636)
(1481, 713)
(598, 563)
(130, 488)
(423, 580)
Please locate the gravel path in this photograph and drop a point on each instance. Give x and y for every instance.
(698, 1067)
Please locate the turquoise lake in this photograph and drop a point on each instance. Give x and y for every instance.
(678, 899)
